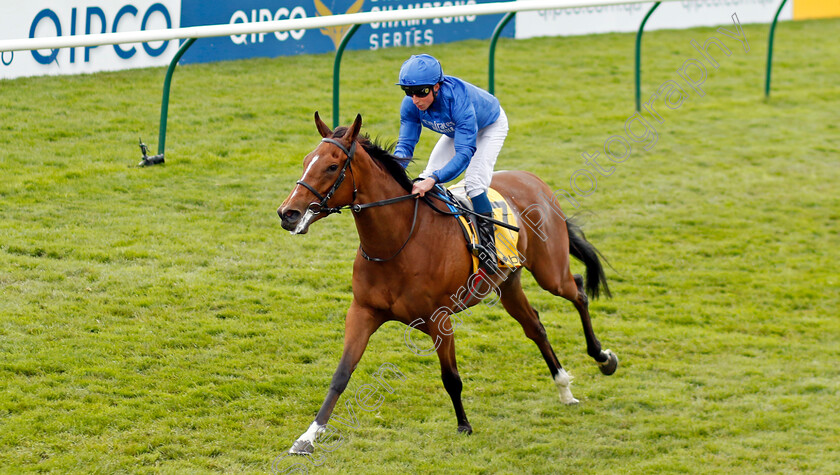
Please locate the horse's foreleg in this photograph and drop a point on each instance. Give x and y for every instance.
(359, 325)
(452, 380)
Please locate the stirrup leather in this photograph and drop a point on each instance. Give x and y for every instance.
(486, 245)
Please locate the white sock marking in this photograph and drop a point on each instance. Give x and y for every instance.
(312, 433)
(563, 380)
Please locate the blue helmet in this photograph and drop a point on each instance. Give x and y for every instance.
(420, 70)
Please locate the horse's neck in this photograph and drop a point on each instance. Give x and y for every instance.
(382, 229)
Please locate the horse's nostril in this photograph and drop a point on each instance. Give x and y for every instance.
(291, 215)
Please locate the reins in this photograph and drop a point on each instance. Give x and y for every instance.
(410, 233)
(359, 207)
(467, 211)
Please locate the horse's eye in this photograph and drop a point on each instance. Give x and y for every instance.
(332, 168)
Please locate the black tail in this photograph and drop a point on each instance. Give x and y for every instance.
(583, 250)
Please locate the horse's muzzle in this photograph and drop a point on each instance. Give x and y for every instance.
(289, 218)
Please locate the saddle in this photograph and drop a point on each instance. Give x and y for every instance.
(505, 239)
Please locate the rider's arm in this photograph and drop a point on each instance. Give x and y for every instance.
(409, 130)
(466, 128)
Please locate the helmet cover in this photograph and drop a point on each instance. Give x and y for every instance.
(420, 70)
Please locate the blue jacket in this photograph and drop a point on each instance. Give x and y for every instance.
(460, 110)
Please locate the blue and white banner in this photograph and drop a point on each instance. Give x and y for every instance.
(372, 36)
(39, 19)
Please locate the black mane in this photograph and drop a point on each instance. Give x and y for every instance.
(382, 154)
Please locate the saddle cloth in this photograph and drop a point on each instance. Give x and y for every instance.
(506, 239)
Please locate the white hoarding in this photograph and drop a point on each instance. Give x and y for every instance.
(627, 18)
(78, 17)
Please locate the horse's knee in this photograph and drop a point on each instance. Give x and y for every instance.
(536, 331)
(340, 379)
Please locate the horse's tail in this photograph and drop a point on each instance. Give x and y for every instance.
(583, 250)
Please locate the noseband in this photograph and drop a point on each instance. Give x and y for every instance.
(322, 206)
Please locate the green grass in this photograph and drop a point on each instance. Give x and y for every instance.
(160, 320)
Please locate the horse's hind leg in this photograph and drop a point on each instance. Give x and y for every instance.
(516, 303)
(606, 359)
(550, 277)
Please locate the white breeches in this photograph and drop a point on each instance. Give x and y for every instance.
(488, 144)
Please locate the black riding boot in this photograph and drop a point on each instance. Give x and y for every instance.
(487, 245)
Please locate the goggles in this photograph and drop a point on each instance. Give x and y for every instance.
(419, 91)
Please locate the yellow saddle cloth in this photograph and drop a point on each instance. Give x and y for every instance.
(506, 239)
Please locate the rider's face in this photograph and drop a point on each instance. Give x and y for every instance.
(424, 103)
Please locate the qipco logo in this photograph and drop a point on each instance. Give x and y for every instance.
(265, 14)
(94, 20)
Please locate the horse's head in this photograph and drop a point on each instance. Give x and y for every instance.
(323, 186)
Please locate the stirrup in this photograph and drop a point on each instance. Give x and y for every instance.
(489, 264)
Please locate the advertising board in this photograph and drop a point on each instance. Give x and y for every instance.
(78, 17)
(373, 36)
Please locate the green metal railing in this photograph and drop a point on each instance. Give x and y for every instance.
(770, 50)
(337, 69)
(491, 67)
(639, 57)
(164, 104)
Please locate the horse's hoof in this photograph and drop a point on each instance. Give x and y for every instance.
(302, 447)
(467, 429)
(608, 367)
(569, 400)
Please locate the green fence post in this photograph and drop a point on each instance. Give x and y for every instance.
(491, 70)
(639, 57)
(164, 103)
(337, 69)
(770, 50)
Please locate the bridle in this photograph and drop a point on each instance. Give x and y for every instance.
(322, 206)
(355, 207)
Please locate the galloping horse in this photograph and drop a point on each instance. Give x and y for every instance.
(412, 260)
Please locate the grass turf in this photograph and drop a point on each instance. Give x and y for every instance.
(160, 320)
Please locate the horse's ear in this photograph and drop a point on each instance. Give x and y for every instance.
(322, 127)
(355, 128)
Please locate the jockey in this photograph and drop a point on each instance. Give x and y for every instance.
(474, 128)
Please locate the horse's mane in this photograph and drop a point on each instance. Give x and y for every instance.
(382, 155)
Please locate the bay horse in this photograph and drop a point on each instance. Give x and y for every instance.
(412, 260)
